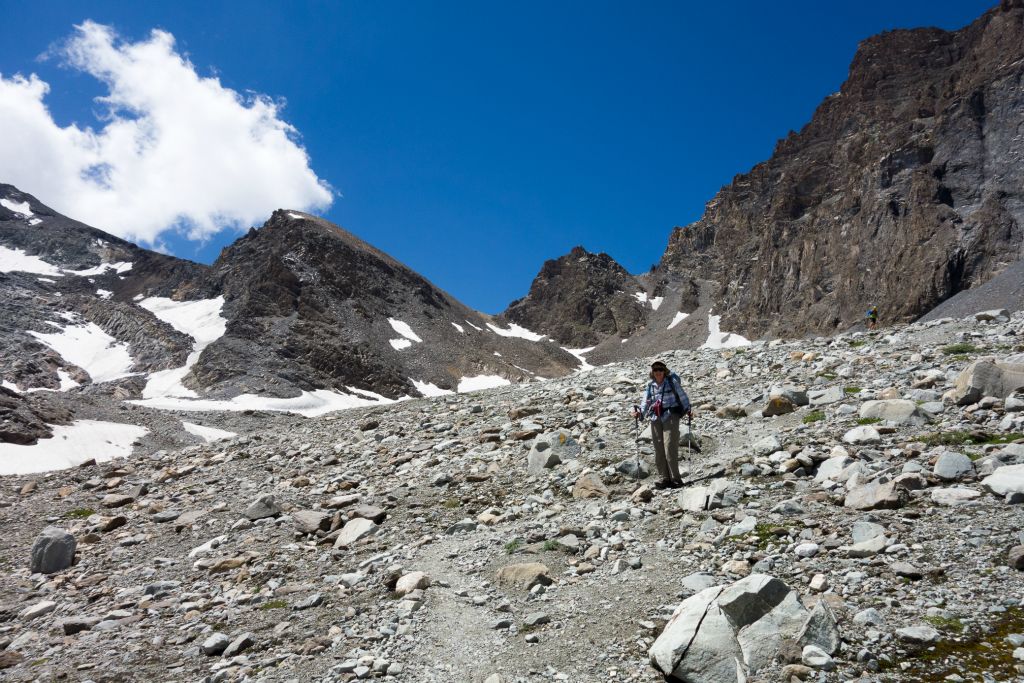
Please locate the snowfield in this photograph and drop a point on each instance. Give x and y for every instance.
(516, 331)
(199, 319)
(481, 382)
(722, 340)
(207, 434)
(680, 317)
(17, 261)
(90, 348)
(70, 446)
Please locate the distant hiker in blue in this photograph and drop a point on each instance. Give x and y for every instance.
(663, 404)
(872, 317)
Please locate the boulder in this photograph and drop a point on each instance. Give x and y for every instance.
(794, 394)
(1009, 479)
(898, 411)
(412, 581)
(310, 521)
(589, 485)
(263, 507)
(549, 450)
(822, 397)
(354, 530)
(955, 496)
(778, 405)
(987, 377)
(876, 496)
(725, 634)
(525, 575)
(1000, 314)
(52, 551)
(830, 469)
(865, 434)
(700, 498)
(950, 466)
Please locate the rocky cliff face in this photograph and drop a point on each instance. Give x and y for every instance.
(906, 187)
(582, 298)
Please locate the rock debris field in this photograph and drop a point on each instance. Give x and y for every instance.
(854, 514)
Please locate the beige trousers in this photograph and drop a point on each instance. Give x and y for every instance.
(666, 456)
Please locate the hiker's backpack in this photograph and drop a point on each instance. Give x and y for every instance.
(682, 402)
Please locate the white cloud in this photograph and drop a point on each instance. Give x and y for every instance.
(173, 150)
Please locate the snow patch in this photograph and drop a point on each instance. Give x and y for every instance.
(516, 331)
(656, 301)
(103, 293)
(22, 207)
(641, 297)
(199, 319)
(296, 216)
(459, 328)
(90, 348)
(680, 317)
(46, 279)
(584, 365)
(119, 267)
(10, 385)
(16, 260)
(481, 382)
(478, 329)
(71, 445)
(428, 389)
(399, 344)
(404, 330)
(721, 340)
(308, 403)
(207, 434)
(35, 221)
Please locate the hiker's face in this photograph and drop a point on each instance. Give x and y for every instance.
(659, 375)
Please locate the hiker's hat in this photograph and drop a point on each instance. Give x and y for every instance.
(658, 365)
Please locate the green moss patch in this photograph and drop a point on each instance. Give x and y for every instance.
(981, 650)
(816, 416)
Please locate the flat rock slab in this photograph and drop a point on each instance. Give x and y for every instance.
(1009, 479)
(353, 531)
(525, 575)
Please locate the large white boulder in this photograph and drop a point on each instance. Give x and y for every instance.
(725, 634)
(1009, 479)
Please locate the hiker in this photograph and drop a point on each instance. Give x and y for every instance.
(872, 316)
(664, 403)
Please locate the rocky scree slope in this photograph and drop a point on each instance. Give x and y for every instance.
(502, 536)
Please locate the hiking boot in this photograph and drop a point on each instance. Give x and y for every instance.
(675, 484)
(663, 484)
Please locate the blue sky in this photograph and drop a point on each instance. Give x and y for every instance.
(471, 140)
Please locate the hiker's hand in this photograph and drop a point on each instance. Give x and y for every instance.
(636, 413)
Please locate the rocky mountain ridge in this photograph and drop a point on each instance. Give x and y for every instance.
(296, 314)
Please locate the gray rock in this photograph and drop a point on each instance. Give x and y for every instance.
(865, 434)
(1005, 480)
(262, 507)
(864, 531)
(821, 629)
(310, 521)
(53, 551)
(239, 644)
(898, 411)
(920, 635)
(955, 496)
(822, 397)
(816, 658)
(215, 644)
(876, 496)
(951, 466)
(724, 634)
(354, 530)
(987, 378)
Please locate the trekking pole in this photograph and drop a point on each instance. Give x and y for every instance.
(636, 439)
(689, 435)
